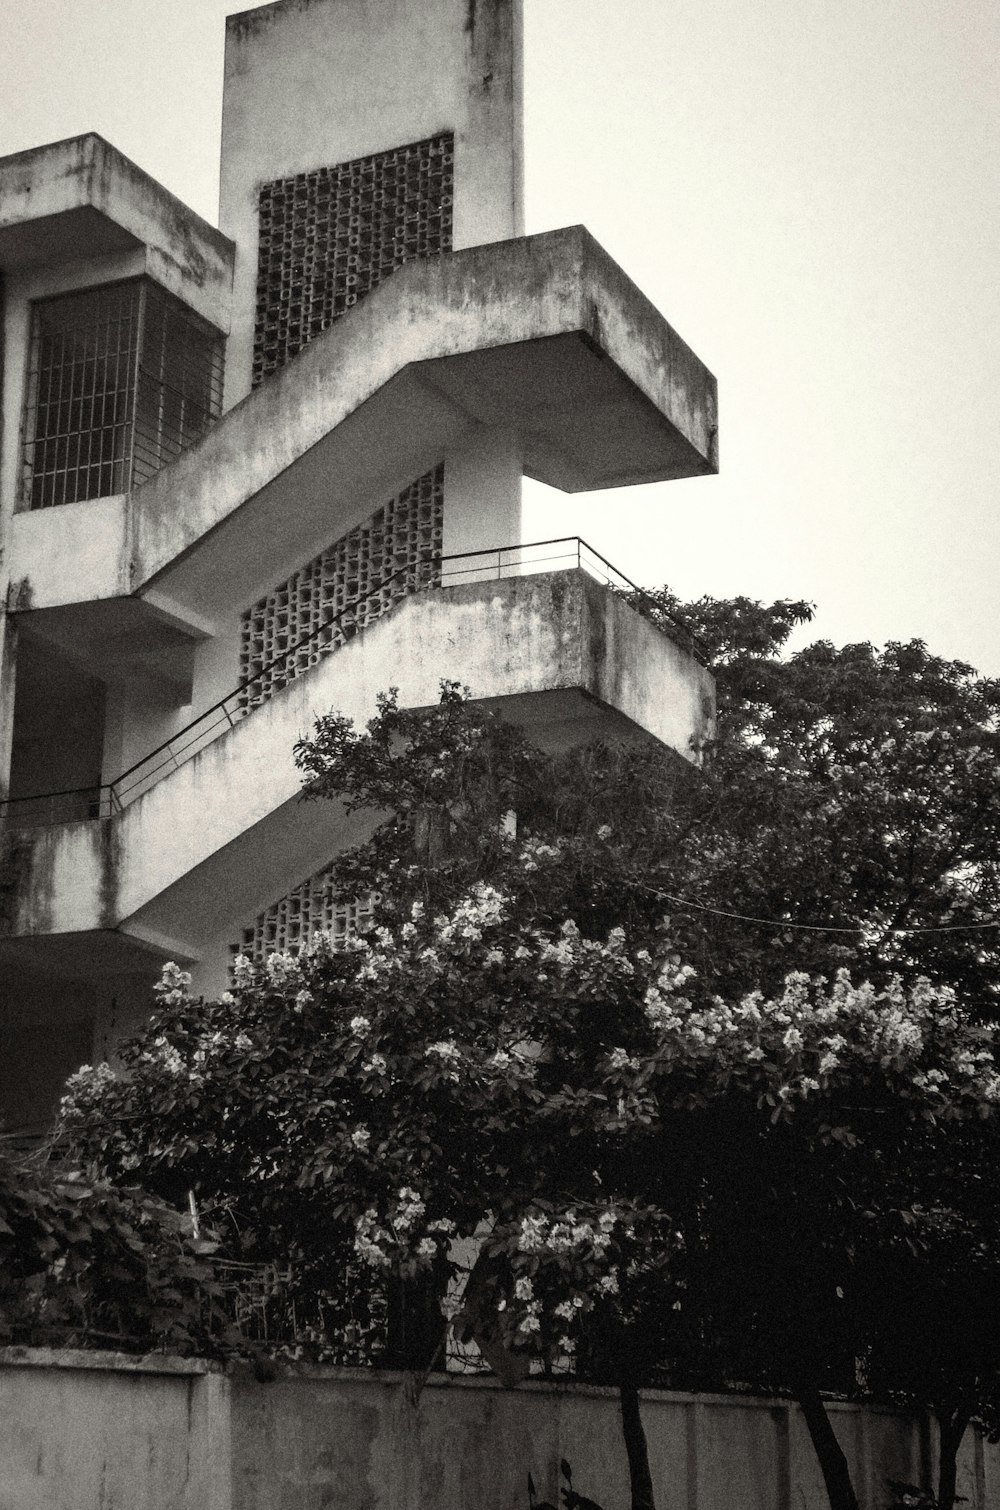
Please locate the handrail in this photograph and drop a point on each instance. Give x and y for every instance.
(109, 797)
(277, 660)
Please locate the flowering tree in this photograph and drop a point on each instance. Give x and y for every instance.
(580, 1044)
(852, 795)
(613, 1147)
(87, 1264)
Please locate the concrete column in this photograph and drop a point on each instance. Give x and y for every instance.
(781, 1415)
(8, 627)
(482, 505)
(115, 705)
(8, 683)
(210, 974)
(210, 1482)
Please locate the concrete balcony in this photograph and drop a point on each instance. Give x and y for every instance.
(225, 833)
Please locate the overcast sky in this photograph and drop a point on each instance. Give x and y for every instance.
(810, 192)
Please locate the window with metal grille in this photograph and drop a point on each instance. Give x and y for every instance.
(326, 239)
(121, 379)
(180, 381)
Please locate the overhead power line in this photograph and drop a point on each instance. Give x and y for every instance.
(853, 928)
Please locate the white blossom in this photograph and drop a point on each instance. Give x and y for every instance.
(532, 1234)
(281, 968)
(173, 986)
(441, 1224)
(409, 1209)
(370, 1239)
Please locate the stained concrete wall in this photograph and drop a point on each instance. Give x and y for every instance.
(81, 1433)
(81, 198)
(95, 1432)
(482, 494)
(50, 1026)
(74, 215)
(556, 652)
(312, 83)
(540, 348)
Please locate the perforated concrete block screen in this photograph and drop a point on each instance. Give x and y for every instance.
(289, 924)
(328, 237)
(352, 583)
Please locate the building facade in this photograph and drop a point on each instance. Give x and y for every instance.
(253, 473)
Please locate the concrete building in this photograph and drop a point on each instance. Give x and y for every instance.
(253, 473)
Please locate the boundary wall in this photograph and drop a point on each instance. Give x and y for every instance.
(99, 1431)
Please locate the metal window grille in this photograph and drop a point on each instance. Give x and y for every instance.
(406, 532)
(327, 238)
(120, 379)
(179, 391)
(314, 907)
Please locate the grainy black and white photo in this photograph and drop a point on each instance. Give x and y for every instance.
(499, 755)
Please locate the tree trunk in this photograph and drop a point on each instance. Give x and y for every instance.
(640, 1478)
(415, 1327)
(832, 1462)
(952, 1431)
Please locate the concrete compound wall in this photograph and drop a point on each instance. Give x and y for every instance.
(95, 1432)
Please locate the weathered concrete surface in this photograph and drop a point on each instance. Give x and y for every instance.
(213, 839)
(543, 339)
(98, 1432)
(81, 198)
(110, 1433)
(309, 85)
(76, 553)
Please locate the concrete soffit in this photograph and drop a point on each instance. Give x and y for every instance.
(82, 199)
(560, 653)
(542, 335)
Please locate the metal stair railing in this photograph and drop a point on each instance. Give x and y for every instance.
(493, 563)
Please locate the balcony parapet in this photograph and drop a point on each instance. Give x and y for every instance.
(558, 652)
(493, 564)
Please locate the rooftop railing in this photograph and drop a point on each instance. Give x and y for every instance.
(419, 575)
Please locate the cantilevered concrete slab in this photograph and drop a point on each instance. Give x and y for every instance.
(226, 833)
(80, 199)
(542, 336)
